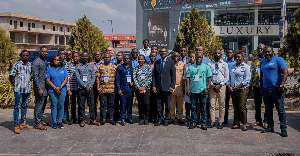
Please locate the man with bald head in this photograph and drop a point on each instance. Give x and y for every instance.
(255, 81)
(178, 93)
(111, 51)
(106, 87)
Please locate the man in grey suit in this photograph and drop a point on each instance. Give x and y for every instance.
(39, 67)
(163, 84)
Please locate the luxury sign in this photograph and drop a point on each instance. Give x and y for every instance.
(244, 30)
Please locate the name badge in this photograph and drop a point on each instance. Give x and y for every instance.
(128, 78)
(84, 77)
(196, 78)
(105, 78)
(143, 76)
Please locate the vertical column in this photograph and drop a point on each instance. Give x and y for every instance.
(212, 17)
(255, 38)
(23, 38)
(57, 40)
(65, 41)
(36, 38)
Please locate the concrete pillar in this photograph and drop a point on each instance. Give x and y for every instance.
(36, 38)
(57, 40)
(23, 38)
(65, 41)
(212, 17)
(255, 38)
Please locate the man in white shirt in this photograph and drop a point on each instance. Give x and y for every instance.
(146, 50)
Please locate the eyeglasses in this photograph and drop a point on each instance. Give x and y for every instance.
(68, 54)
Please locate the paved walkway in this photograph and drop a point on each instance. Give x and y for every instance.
(146, 140)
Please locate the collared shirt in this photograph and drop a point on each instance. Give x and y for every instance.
(88, 70)
(230, 63)
(145, 52)
(183, 59)
(73, 80)
(180, 70)
(112, 61)
(152, 64)
(240, 75)
(22, 73)
(140, 80)
(220, 72)
(96, 65)
(107, 72)
(203, 72)
(149, 60)
(39, 68)
(255, 68)
(271, 70)
(57, 77)
(123, 72)
(134, 63)
(71, 70)
(205, 60)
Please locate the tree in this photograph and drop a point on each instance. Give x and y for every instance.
(195, 31)
(291, 49)
(8, 51)
(86, 37)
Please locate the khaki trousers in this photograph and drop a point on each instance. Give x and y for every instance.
(179, 100)
(214, 99)
(239, 99)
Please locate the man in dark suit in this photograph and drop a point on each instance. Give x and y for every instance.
(163, 83)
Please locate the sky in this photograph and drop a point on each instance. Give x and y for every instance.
(121, 12)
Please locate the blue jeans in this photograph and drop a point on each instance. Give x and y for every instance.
(57, 106)
(21, 102)
(126, 105)
(66, 108)
(202, 98)
(271, 96)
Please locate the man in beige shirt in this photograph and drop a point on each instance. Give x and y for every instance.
(178, 93)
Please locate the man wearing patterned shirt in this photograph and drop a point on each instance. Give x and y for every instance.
(146, 49)
(106, 87)
(217, 89)
(19, 77)
(255, 79)
(85, 74)
(68, 64)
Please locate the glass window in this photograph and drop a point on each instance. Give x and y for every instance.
(61, 29)
(53, 28)
(206, 14)
(269, 16)
(44, 27)
(33, 25)
(289, 14)
(21, 24)
(234, 17)
(237, 42)
(10, 22)
(273, 41)
(68, 29)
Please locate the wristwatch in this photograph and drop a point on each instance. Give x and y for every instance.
(207, 89)
(281, 86)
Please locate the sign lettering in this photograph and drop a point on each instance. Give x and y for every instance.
(246, 30)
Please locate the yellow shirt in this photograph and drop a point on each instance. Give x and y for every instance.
(108, 71)
(180, 70)
(255, 67)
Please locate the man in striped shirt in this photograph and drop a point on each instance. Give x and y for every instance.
(19, 77)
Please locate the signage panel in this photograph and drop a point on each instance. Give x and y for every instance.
(246, 30)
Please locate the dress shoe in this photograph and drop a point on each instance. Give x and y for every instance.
(171, 121)
(284, 133)
(24, 125)
(113, 122)
(265, 126)
(158, 123)
(146, 122)
(95, 123)
(17, 129)
(192, 126)
(102, 122)
(166, 123)
(244, 129)
(211, 125)
(142, 121)
(45, 123)
(203, 127)
(82, 124)
(123, 123)
(61, 126)
(254, 124)
(180, 121)
(54, 126)
(235, 127)
(220, 126)
(65, 121)
(267, 130)
(130, 121)
(41, 127)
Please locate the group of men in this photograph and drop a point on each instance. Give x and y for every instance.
(194, 80)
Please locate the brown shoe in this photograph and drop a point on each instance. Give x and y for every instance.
(95, 123)
(24, 125)
(265, 126)
(82, 124)
(254, 124)
(180, 121)
(41, 127)
(171, 121)
(17, 129)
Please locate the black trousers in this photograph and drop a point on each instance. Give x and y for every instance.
(107, 103)
(74, 100)
(226, 105)
(257, 102)
(83, 97)
(117, 107)
(40, 104)
(144, 104)
(163, 101)
(153, 106)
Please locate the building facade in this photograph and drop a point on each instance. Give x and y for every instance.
(121, 40)
(239, 23)
(29, 32)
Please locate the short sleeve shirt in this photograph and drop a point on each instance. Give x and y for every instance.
(180, 67)
(57, 77)
(21, 72)
(203, 71)
(272, 72)
(110, 72)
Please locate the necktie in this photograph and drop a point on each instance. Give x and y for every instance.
(162, 65)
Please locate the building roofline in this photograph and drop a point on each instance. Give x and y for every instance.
(16, 15)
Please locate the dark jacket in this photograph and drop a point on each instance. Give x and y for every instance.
(163, 80)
